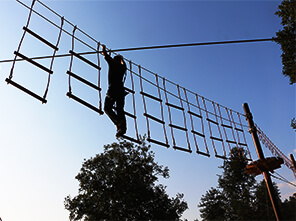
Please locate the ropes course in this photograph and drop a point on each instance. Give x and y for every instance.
(224, 126)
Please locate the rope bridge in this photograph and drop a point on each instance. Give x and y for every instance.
(194, 122)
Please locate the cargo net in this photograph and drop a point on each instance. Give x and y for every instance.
(169, 114)
(274, 149)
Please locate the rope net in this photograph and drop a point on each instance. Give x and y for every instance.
(195, 122)
(42, 40)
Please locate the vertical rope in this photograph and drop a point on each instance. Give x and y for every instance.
(232, 130)
(71, 61)
(161, 109)
(237, 133)
(53, 57)
(134, 100)
(169, 111)
(214, 106)
(202, 124)
(222, 123)
(184, 117)
(191, 120)
(144, 103)
(245, 141)
(99, 76)
(210, 129)
(22, 39)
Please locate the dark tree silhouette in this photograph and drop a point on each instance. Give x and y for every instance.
(239, 197)
(287, 38)
(262, 206)
(119, 184)
(234, 191)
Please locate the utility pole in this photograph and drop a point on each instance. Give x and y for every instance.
(260, 154)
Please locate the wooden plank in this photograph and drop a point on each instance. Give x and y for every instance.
(70, 95)
(83, 80)
(9, 81)
(150, 96)
(33, 62)
(157, 142)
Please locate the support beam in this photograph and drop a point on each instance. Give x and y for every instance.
(260, 154)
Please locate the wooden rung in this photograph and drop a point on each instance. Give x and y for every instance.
(130, 115)
(202, 153)
(239, 129)
(194, 114)
(177, 127)
(228, 126)
(154, 118)
(129, 90)
(243, 144)
(231, 141)
(83, 80)
(131, 139)
(216, 138)
(222, 157)
(85, 60)
(26, 90)
(150, 96)
(175, 106)
(33, 62)
(183, 149)
(197, 133)
(41, 39)
(70, 95)
(214, 122)
(158, 142)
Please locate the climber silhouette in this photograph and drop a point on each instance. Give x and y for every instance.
(116, 93)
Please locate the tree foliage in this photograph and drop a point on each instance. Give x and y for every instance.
(287, 38)
(236, 186)
(120, 184)
(239, 197)
(262, 206)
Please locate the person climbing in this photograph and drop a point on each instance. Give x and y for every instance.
(116, 93)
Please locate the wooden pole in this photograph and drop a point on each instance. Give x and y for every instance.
(260, 154)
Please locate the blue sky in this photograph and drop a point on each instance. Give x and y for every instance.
(43, 146)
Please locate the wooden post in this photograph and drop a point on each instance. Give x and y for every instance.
(260, 154)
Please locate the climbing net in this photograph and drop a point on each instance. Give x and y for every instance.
(174, 116)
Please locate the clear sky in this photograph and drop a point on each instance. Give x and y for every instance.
(43, 146)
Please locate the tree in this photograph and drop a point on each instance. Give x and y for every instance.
(213, 205)
(234, 191)
(239, 197)
(287, 38)
(289, 208)
(119, 184)
(236, 186)
(262, 206)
